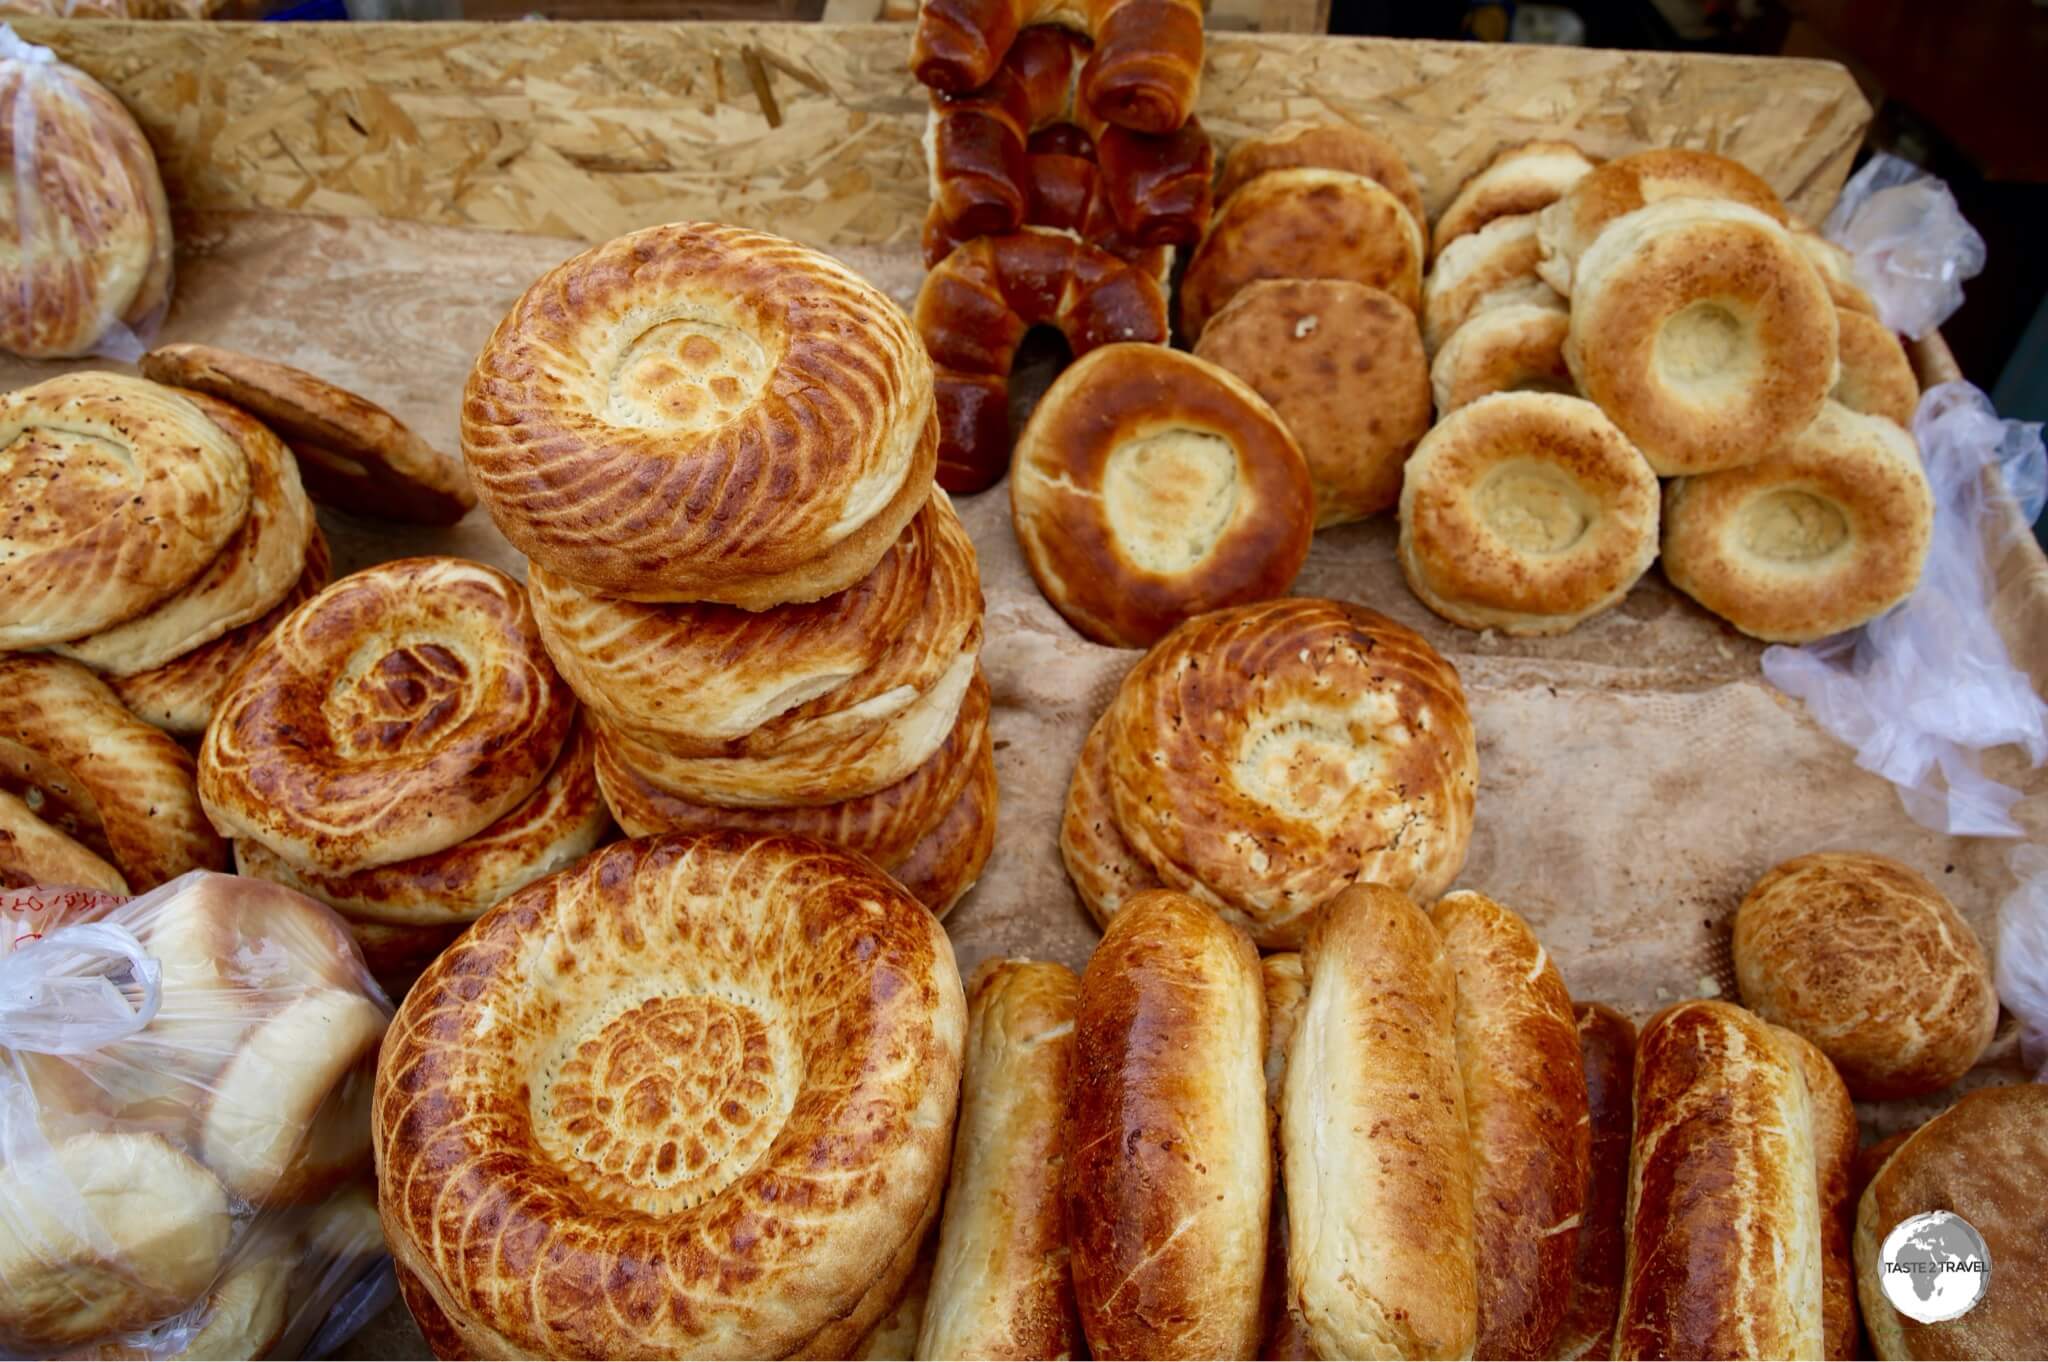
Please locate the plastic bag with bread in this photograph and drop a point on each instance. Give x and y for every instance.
(184, 1120)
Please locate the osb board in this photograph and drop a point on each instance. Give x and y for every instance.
(591, 129)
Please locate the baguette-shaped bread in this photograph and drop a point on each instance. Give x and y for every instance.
(1378, 1163)
(1607, 1052)
(1724, 1241)
(1525, 1105)
(1169, 1168)
(1834, 1164)
(1000, 1287)
(1281, 1337)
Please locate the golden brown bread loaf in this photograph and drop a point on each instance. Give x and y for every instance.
(1877, 377)
(85, 765)
(1263, 758)
(1828, 531)
(1526, 1108)
(1379, 1168)
(1615, 189)
(1607, 1052)
(1868, 960)
(1497, 263)
(1834, 1160)
(1507, 346)
(1342, 364)
(1282, 1337)
(1526, 513)
(351, 452)
(537, 1138)
(1702, 331)
(702, 412)
(1104, 870)
(1325, 146)
(1983, 1159)
(1000, 1285)
(32, 852)
(1168, 1176)
(1149, 486)
(118, 493)
(1525, 178)
(1724, 1234)
(401, 710)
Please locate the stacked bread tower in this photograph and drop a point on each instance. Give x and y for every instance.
(1719, 344)
(716, 449)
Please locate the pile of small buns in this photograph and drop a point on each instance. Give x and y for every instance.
(715, 448)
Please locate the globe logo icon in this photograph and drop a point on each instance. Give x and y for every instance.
(1934, 1267)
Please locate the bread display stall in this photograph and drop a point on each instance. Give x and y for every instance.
(367, 203)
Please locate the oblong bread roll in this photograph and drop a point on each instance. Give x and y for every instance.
(1169, 1166)
(1724, 1239)
(1835, 1136)
(1607, 1052)
(1282, 1339)
(1378, 1164)
(1000, 1286)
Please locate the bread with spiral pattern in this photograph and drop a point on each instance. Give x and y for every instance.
(702, 412)
(636, 1084)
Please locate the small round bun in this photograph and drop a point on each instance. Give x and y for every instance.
(1325, 146)
(1828, 532)
(401, 710)
(1866, 959)
(1150, 485)
(701, 412)
(1629, 184)
(1343, 365)
(32, 852)
(1505, 347)
(118, 493)
(1700, 329)
(1263, 758)
(1526, 513)
(1328, 224)
(1495, 263)
(640, 1064)
(1521, 179)
(1877, 378)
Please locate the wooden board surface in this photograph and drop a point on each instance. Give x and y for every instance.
(588, 130)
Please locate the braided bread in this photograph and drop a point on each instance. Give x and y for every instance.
(704, 1082)
(976, 306)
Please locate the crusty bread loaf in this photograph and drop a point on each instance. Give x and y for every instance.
(1379, 1167)
(1607, 1053)
(1000, 1285)
(1169, 1166)
(1834, 1161)
(1282, 1338)
(1724, 1234)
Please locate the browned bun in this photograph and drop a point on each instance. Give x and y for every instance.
(1627, 184)
(1342, 365)
(1263, 758)
(702, 412)
(536, 1086)
(1724, 1236)
(401, 710)
(947, 861)
(1526, 1108)
(1104, 870)
(1828, 531)
(1330, 224)
(1877, 377)
(83, 764)
(1607, 1051)
(1504, 347)
(1525, 178)
(351, 452)
(32, 852)
(1495, 263)
(1834, 1164)
(1837, 270)
(1168, 1177)
(1325, 146)
(1149, 486)
(1000, 1285)
(1868, 960)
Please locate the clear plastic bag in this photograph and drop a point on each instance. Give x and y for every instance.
(85, 229)
(1911, 246)
(1920, 691)
(185, 1081)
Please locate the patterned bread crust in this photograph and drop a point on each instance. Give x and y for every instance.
(118, 493)
(1627, 184)
(1104, 869)
(252, 573)
(351, 452)
(701, 412)
(560, 822)
(1520, 179)
(103, 777)
(1325, 146)
(947, 861)
(548, 1186)
(1261, 759)
(401, 710)
(179, 697)
(32, 852)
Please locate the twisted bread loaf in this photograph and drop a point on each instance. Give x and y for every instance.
(636, 1085)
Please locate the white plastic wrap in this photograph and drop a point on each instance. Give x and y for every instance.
(2022, 977)
(85, 229)
(184, 1122)
(1911, 246)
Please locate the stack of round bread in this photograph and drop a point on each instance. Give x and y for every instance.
(716, 448)
(401, 748)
